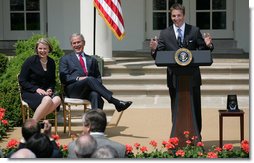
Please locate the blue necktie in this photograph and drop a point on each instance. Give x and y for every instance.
(180, 38)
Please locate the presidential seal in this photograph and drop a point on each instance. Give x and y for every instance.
(183, 57)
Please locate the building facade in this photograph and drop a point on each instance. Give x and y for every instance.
(224, 19)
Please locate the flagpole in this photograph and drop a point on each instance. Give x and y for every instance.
(94, 29)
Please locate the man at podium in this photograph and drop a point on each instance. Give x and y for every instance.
(182, 35)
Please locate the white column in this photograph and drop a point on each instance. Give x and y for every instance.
(86, 24)
(103, 34)
(103, 45)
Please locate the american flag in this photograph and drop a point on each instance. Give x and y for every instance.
(111, 12)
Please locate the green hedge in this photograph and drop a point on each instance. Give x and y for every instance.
(3, 63)
(9, 94)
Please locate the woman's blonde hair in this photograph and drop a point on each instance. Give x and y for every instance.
(43, 41)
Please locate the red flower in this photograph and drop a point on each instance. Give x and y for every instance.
(55, 137)
(245, 146)
(5, 122)
(128, 148)
(174, 140)
(186, 132)
(218, 149)
(13, 143)
(143, 149)
(65, 147)
(164, 143)
(228, 147)
(170, 146)
(180, 153)
(153, 143)
(2, 110)
(194, 137)
(212, 155)
(188, 142)
(200, 144)
(137, 145)
(1, 115)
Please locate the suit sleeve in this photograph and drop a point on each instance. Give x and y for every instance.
(66, 76)
(24, 76)
(201, 42)
(95, 70)
(52, 77)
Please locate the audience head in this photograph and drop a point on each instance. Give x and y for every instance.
(23, 153)
(29, 128)
(105, 152)
(40, 145)
(94, 120)
(85, 146)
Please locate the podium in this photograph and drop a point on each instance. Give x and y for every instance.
(184, 116)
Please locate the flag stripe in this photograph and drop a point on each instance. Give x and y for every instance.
(111, 12)
(109, 20)
(116, 7)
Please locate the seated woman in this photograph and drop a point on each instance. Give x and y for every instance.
(37, 80)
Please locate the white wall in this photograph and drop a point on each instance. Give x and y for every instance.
(242, 22)
(63, 20)
(134, 21)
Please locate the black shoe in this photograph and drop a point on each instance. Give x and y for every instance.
(123, 105)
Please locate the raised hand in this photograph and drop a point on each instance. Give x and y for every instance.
(153, 43)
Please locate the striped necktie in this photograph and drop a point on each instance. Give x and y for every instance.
(180, 38)
(83, 64)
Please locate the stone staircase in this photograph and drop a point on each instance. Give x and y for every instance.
(134, 76)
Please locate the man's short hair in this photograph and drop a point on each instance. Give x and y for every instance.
(77, 35)
(177, 6)
(29, 128)
(23, 153)
(85, 145)
(95, 119)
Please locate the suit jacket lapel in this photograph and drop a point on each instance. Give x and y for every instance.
(88, 62)
(172, 35)
(75, 61)
(187, 33)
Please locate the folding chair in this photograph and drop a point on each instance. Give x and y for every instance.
(25, 109)
(67, 103)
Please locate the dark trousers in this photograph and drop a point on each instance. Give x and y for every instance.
(90, 89)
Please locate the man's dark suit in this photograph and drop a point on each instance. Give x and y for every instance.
(193, 40)
(91, 88)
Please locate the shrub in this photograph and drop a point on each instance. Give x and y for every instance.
(3, 63)
(9, 94)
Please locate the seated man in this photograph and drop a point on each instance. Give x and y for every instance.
(81, 77)
(94, 123)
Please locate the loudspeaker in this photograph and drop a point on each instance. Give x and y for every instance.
(232, 104)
